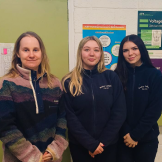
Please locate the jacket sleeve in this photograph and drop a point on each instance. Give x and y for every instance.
(10, 135)
(59, 144)
(125, 129)
(153, 110)
(74, 125)
(117, 113)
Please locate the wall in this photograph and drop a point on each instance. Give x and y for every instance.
(104, 12)
(49, 19)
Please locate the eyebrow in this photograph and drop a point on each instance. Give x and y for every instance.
(89, 47)
(28, 47)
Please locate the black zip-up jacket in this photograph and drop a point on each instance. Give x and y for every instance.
(144, 103)
(98, 114)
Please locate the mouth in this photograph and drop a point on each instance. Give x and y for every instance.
(31, 60)
(91, 60)
(131, 58)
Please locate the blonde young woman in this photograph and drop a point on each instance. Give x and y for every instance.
(95, 105)
(32, 119)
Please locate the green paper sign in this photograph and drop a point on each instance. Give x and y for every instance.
(150, 31)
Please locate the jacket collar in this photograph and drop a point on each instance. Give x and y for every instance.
(136, 68)
(90, 72)
(26, 73)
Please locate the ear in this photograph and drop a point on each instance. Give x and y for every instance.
(18, 55)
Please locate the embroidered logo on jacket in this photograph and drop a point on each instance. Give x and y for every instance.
(145, 87)
(105, 86)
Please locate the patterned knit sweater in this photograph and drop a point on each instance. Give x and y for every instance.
(32, 118)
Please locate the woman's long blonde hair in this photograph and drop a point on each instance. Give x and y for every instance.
(76, 80)
(44, 65)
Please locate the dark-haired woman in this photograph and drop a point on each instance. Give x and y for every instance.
(142, 83)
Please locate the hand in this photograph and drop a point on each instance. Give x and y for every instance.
(98, 150)
(129, 141)
(90, 153)
(47, 156)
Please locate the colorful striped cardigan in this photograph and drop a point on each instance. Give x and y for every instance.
(32, 118)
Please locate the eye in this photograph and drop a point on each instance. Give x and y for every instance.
(125, 50)
(25, 50)
(86, 49)
(36, 49)
(135, 48)
(97, 50)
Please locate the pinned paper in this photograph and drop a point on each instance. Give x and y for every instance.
(4, 51)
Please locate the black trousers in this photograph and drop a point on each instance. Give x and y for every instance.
(143, 152)
(80, 154)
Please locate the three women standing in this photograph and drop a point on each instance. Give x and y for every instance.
(142, 84)
(32, 118)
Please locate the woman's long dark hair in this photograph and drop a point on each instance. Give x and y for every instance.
(121, 68)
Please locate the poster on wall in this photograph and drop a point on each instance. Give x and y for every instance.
(157, 62)
(110, 37)
(150, 31)
(6, 50)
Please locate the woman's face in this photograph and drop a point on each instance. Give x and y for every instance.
(30, 53)
(132, 54)
(91, 54)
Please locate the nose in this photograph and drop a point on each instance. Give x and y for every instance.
(31, 54)
(91, 52)
(130, 52)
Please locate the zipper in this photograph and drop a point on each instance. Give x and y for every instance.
(133, 90)
(35, 80)
(93, 103)
(35, 84)
(34, 93)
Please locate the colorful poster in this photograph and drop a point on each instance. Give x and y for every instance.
(110, 37)
(150, 31)
(6, 50)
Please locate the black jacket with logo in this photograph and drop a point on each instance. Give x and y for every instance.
(98, 114)
(144, 103)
